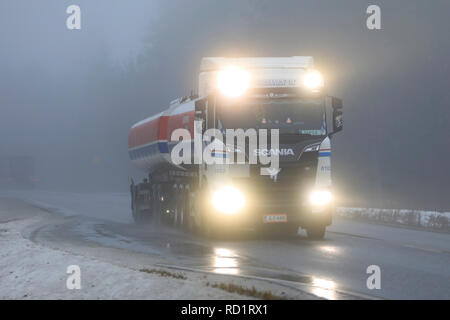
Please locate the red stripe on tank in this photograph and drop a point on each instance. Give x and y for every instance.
(163, 124)
(144, 133)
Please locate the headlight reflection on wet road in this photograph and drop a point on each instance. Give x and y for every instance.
(324, 288)
(225, 261)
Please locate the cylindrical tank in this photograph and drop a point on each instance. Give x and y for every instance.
(149, 142)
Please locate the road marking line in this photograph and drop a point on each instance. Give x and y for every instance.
(426, 248)
(417, 247)
(308, 289)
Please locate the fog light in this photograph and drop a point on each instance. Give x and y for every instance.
(320, 197)
(228, 200)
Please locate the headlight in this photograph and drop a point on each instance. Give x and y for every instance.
(233, 82)
(320, 197)
(313, 80)
(228, 200)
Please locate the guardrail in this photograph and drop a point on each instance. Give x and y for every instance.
(431, 220)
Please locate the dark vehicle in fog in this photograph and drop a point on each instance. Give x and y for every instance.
(17, 172)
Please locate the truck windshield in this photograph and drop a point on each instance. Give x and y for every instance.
(299, 116)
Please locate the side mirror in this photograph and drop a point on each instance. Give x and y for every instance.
(336, 103)
(334, 114)
(338, 121)
(201, 113)
(200, 109)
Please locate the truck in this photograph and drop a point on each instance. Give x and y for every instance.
(17, 172)
(200, 180)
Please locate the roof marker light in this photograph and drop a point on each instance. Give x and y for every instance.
(233, 81)
(313, 80)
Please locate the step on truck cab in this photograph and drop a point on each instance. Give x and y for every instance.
(250, 151)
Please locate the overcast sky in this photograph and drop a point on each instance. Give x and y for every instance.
(68, 97)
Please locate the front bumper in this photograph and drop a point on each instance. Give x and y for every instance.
(254, 216)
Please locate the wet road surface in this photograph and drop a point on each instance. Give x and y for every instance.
(414, 264)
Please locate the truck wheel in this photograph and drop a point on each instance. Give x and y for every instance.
(179, 211)
(190, 219)
(134, 209)
(156, 206)
(316, 232)
(213, 231)
(208, 231)
(186, 211)
(135, 213)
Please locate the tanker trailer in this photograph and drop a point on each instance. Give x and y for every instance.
(218, 186)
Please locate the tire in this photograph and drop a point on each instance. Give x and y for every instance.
(156, 206)
(178, 221)
(208, 231)
(186, 211)
(316, 232)
(141, 216)
(190, 221)
(135, 213)
(145, 216)
(134, 210)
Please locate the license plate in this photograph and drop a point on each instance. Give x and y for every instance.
(275, 218)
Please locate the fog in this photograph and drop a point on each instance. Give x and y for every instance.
(68, 97)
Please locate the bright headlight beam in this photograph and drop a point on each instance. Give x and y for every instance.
(228, 200)
(233, 82)
(313, 80)
(320, 197)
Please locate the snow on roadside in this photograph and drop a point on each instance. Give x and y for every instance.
(431, 220)
(31, 271)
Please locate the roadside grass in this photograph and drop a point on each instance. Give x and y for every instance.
(253, 292)
(228, 287)
(164, 273)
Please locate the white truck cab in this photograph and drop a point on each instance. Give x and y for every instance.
(265, 128)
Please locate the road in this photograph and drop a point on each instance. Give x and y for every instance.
(414, 264)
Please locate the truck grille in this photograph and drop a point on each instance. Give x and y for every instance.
(290, 188)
